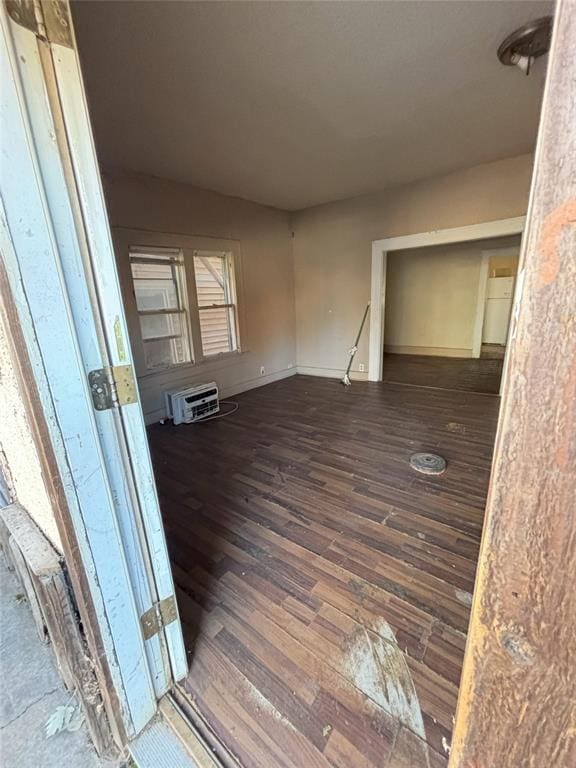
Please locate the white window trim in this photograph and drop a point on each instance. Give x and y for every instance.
(231, 304)
(183, 309)
(126, 238)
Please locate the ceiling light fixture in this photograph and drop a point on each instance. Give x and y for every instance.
(526, 44)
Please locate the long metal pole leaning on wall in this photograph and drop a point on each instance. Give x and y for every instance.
(517, 704)
(352, 352)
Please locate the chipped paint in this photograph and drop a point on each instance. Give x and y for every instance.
(120, 346)
(19, 448)
(554, 224)
(564, 447)
(376, 665)
(514, 641)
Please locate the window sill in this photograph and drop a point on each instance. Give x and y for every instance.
(206, 362)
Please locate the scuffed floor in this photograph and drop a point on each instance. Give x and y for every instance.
(323, 585)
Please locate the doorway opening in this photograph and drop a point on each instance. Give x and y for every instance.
(324, 588)
(500, 287)
(447, 314)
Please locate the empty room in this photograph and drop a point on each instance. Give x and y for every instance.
(447, 314)
(316, 211)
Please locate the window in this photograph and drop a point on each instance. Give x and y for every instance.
(160, 291)
(184, 304)
(216, 299)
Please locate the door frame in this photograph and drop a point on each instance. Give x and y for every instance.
(480, 303)
(59, 275)
(516, 697)
(482, 290)
(382, 247)
(509, 655)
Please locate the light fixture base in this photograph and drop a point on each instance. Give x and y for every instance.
(526, 44)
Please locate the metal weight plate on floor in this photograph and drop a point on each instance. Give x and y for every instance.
(428, 463)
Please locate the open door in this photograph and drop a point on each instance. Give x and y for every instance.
(60, 268)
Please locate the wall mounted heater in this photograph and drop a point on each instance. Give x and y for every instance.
(194, 403)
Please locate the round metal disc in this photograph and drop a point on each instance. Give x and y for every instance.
(428, 463)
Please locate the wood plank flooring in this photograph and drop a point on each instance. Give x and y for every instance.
(324, 586)
(469, 374)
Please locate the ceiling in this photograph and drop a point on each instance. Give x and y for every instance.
(293, 104)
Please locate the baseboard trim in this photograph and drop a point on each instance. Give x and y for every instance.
(259, 381)
(331, 373)
(234, 389)
(430, 351)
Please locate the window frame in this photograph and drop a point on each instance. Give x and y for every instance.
(231, 304)
(126, 238)
(174, 257)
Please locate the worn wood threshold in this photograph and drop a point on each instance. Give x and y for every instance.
(324, 586)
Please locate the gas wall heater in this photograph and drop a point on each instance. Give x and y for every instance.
(193, 403)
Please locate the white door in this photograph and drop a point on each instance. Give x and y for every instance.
(60, 264)
(499, 297)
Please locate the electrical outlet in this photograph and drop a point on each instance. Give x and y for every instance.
(262, 371)
(361, 367)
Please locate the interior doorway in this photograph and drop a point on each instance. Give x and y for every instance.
(500, 287)
(447, 314)
(448, 310)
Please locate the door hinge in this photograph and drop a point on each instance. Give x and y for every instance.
(48, 19)
(112, 387)
(158, 616)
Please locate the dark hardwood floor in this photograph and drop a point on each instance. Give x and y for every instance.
(324, 586)
(481, 374)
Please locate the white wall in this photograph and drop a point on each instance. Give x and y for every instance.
(432, 297)
(332, 248)
(431, 300)
(141, 202)
(327, 275)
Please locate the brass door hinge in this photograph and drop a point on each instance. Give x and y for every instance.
(158, 616)
(112, 387)
(48, 19)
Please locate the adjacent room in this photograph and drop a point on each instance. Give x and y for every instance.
(447, 313)
(252, 154)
